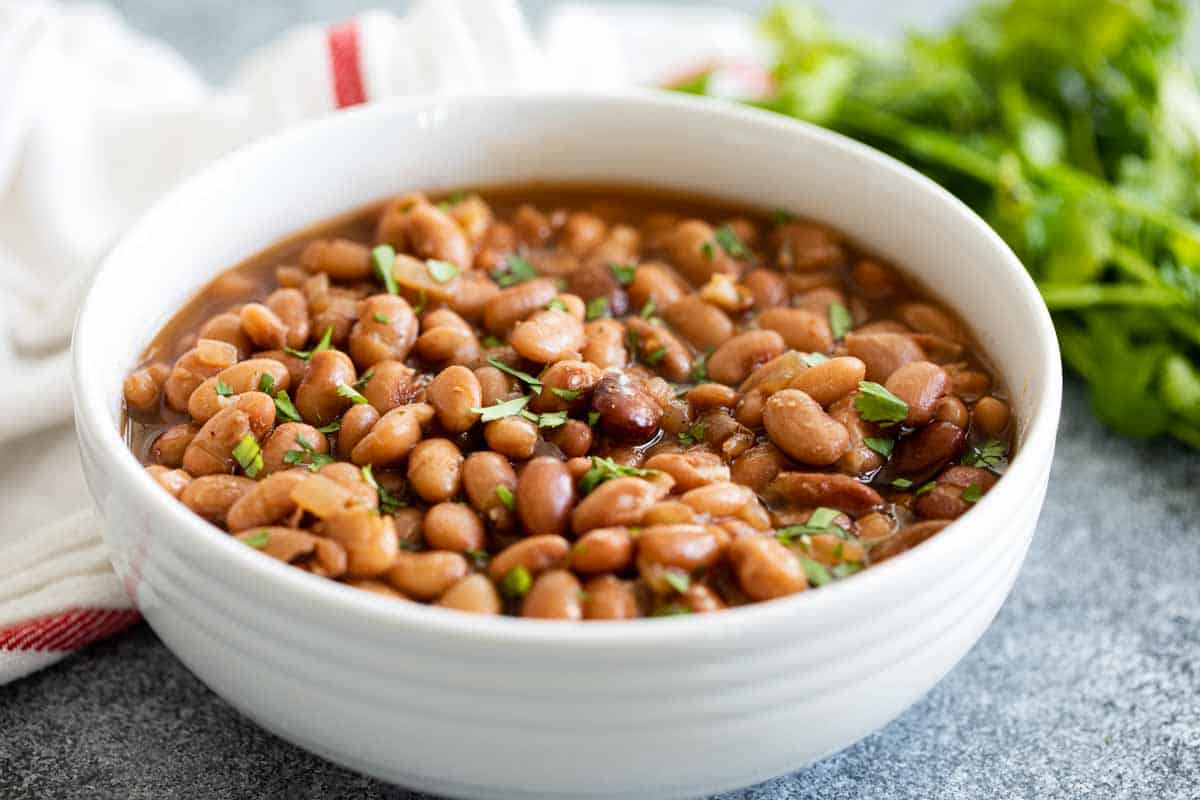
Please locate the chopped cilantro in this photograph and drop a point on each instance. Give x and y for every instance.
(623, 272)
(557, 305)
(323, 344)
(700, 367)
(491, 342)
(881, 446)
(248, 455)
(258, 540)
(987, 455)
(381, 319)
(441, 271)
(649, 309)
(925, 488)
(516, 270)
(840, 321)
(534, 383)
(383, 263)
(812, 359)
(972, 493)
(728, 239)
(604, 469)
(877, 404)
(902, 483)
(677, 579)
(506, 498)
(224, 389)
(352, 394)
(502, 409)
(708, 251)
(306, 456)
(566, 395)
(517, 583)
(266, 383)
(597, 307)
(362, 382)
(285, 407)
(653, 358)
(815, 571)
(693, 435)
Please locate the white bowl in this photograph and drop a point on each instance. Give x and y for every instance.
(470, 706)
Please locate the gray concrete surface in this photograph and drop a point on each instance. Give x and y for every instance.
(1086, 686)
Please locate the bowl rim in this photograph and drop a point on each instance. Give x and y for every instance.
(1025, 471)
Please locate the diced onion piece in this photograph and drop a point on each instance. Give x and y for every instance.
(321, 496)
(723, 293)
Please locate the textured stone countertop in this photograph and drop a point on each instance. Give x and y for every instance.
(1087, 685)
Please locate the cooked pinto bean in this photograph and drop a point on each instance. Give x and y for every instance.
(545, 495)
(800, 427)
(554, 595)
(672, 391)
(920, 384)
(474, 594)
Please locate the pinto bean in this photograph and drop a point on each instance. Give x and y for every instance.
(830, 380)
(812, 489)
(545, 494)
(758, 466)
(686, 548)
(602, 550)
(238, 379)
(927, 318)
(951, 409)
(435, 470)
(454, 526)
(605, 345)
(627, 412)
(316, 554)
(427, 576)
(386, 329)
(690, 470)
(206, 359)
(859, 459)
(702, 324)
(227, 328)
(317, 397)
(800, 427)
(514, 437)
(431, 233)
(566, 384)
(608, 597)
(991, 415)
(263, 326)
(554, 595)
(340, 259)
(927, 449)
(143, 388)
(573, 438)
(776, 374)
(801, 329)
(290, 306)
(547, 336)
(734, 360)
(474, 594)
(390, 385)
(356, 423)
(266, 503)
(515, 303)
(351, 478)
(173, 480)
(211, 496)
(768, 288)
(725, 499)
(169, 447)
(595, 280)
(657, 347)
(946, 500)
(906, 539)
(535, 553)
(883, 353)
(920, 384)
(876, 281)
(617, 502)
(806, 247)
(657, 282)
(453, 393)
(287, 438)
(368, 538)
(765, 568)
(390, 440)
(694, 251)
(483, 472)
(211, 450)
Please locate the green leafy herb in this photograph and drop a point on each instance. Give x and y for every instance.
(534, 383)
(881, 446)
(362, 382)
(452, 200)
(902, 483)
(258, 540)
(623, 272)
(877, 404)
(653, 358)
(815, 571)
(224, 389)
(840, 321)
(985, 456)
(388, 502)
(708, 251)
(972, 493)
(632, 343)
(728, 239)
(324, 344)
(381, 319)
(813, 359)
(305, 455)
(566, 395)
(285, 407)
(677, 579)
(925, 488)
(352, 394)
(845, 569)
(781, 217)
(332, 427)
(266, 383)
(597, 308)
(551, 419)
(693, 435)
(383, 262)
(821, 520)
(605, 469)
(557, 305)
(441, 271)
(502, 409)
(517, 583)
(671, 610)
(491, 342)
(479, 558)
(248, 455)
(1071, 127)
(422, 300)
(592, 418)
(649, 309)
(505, 496)
(699, 371)
(516, 270)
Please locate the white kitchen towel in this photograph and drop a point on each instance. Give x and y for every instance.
(96, 121)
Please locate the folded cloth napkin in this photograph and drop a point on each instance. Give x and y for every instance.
(96, 121)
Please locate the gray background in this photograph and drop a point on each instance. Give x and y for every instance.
(1087, 684)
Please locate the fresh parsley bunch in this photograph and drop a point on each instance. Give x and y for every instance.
(1073, 128)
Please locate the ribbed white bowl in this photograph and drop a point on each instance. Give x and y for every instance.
(476, 707)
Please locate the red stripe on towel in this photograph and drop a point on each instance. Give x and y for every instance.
(69, 630)
(343, 62)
